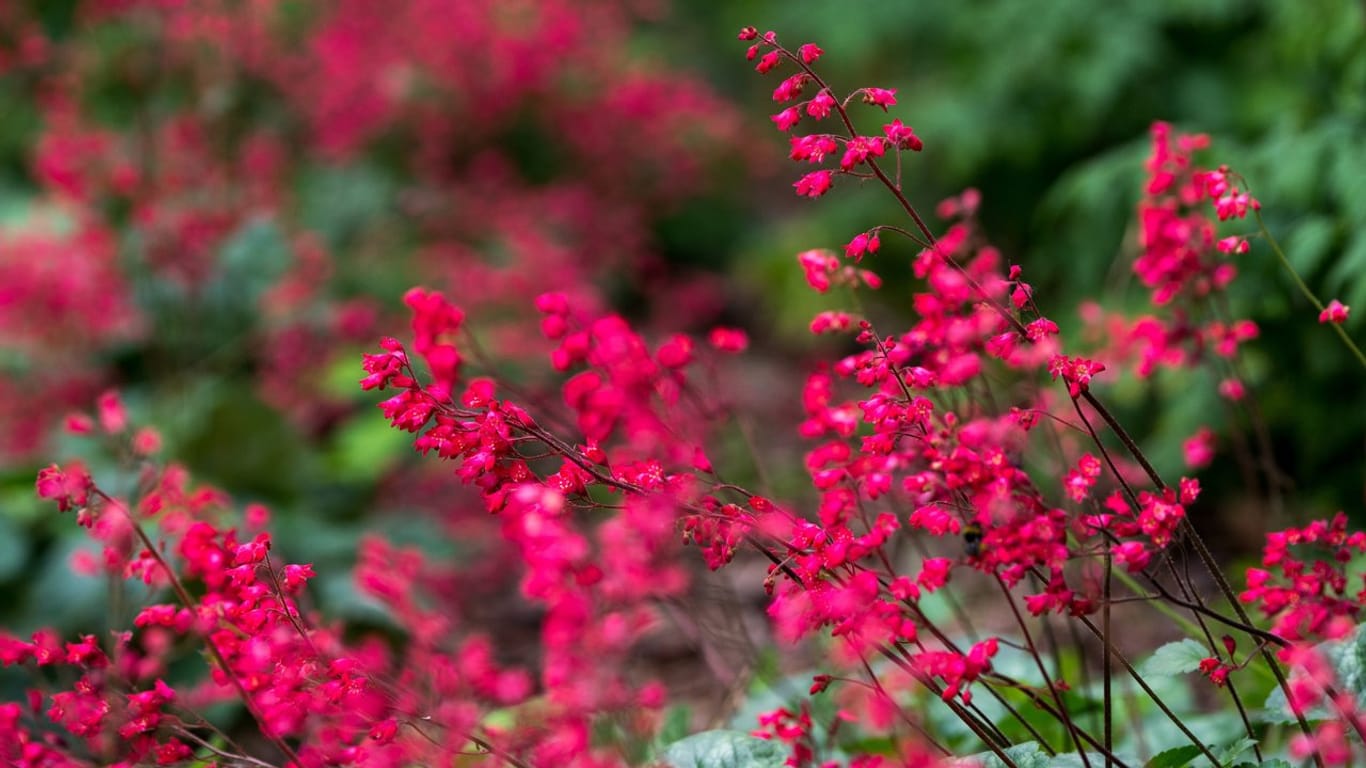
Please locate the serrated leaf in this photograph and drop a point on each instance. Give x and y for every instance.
(1228, 754)
(1073, 760)
(1174, 758)
(1026, 755)
(1174, 659)
(724, 749)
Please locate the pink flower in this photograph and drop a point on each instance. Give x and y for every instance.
(1233, 245)
(676, 352)
(818, 264)
(1132, 556)
(787, 118)
(70, 488)
(861, 148)
(880, 97)
(903, 137)
(809, 52)
(820, 105)
(113, 419)
(728, 339)
(791, 87)
(813, 148)
(1077, 372)
(814, 184)
(1199, 448)
(1335, 312)
(1232, 389)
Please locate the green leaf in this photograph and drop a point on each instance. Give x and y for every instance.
(1229, 754)
(1026, 755)
(1073, 760)
(1174, 758)
(675, 727)
(725, 749)
(1174, 659)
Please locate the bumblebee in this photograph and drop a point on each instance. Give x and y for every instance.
(972, 539)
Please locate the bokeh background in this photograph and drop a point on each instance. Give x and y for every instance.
(215, 207)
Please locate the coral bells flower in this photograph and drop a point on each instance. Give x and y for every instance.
(1215, 670)
(1077, 372)
(1199, 448)
(902, 136)
(728, 339)
(818, 265)
(1307, 599)
(113, 418)
(820, 105)
(1132, 556)
(1335, 312)
(864, 242)
(70, 488)
(859, 149)
(958, 670)
(814, 184)
(791, 88)
(787, 118)
(1078, 482)
(880, 97)
(1233, 245)
(813, 148)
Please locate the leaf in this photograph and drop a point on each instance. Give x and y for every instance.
(725, 749)
(1229, 754)
(1174, 758)
(1174, 659)
(1026, 755)
(1073, 760)
(675, 727)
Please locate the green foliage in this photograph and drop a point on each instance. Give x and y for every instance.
(724, 749)
(1174, 659)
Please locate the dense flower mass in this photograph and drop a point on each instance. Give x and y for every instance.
(968, 451)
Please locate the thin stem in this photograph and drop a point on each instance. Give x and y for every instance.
(1108, 663)
(1152, 695)
(1038, 661)
(1304, 288)
(1209, 638)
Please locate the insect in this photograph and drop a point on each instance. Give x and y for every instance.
(972, 539)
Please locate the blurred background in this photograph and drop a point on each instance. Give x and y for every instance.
(215, 207)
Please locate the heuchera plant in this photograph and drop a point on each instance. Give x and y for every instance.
(966, 460)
